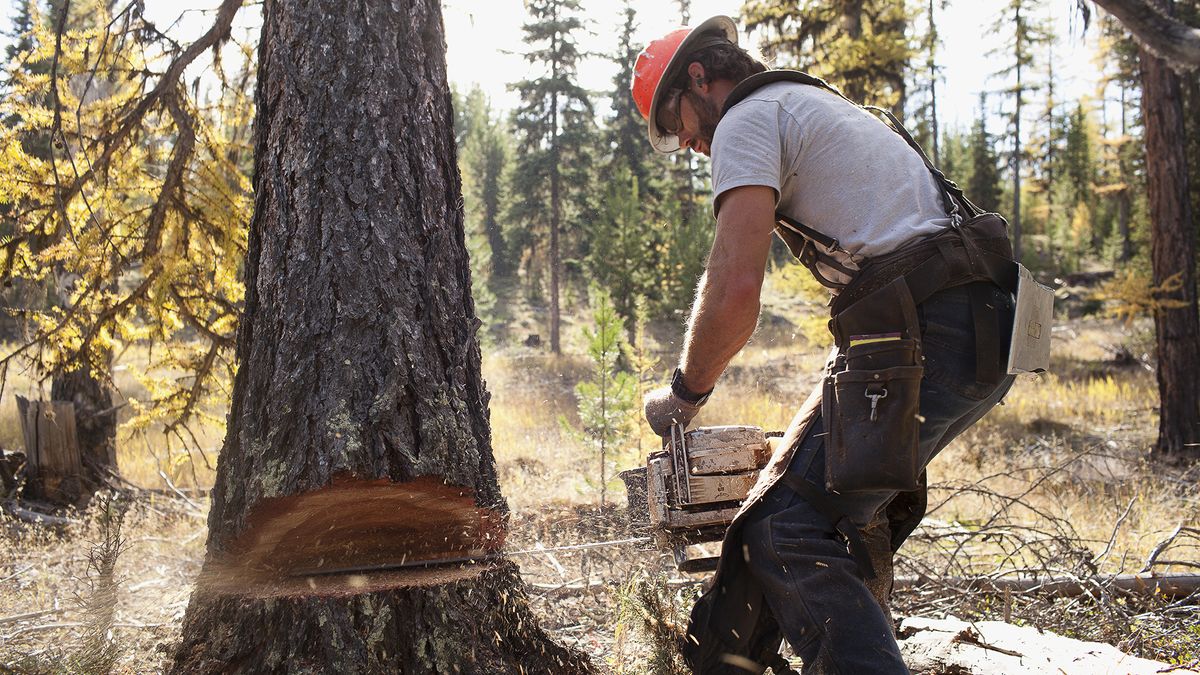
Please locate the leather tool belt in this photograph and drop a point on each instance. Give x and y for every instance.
(872, 389)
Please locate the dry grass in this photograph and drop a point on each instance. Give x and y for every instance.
(1081, 436)
(47, 570)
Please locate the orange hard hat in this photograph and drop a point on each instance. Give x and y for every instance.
(658, 63)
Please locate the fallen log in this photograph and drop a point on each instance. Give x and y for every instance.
(1175, 585)
(37, 518)
(997, 648)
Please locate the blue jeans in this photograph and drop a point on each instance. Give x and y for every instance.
(812, 585)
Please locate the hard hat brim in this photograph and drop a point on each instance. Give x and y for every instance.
(668, 143)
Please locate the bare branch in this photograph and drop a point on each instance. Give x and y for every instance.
(1166, 36)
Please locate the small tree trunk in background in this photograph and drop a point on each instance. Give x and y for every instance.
(358, 433)
(1172, 253)
(1125, 198)
(932, 65)
(555, 215)
(1015, 218)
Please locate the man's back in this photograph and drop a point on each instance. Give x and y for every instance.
(837, 169)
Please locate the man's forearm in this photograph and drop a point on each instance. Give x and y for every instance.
(722, 321)
(727, 302)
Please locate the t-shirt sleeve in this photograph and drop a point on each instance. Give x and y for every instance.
(747, 149)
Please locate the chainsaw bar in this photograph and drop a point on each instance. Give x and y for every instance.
(402, 565)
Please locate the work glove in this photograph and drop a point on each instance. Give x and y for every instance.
(664, 408)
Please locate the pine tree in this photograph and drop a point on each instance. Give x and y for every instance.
(606, 396)
(680, 257)
(925, 125)
(1078, 162)
(1050, 209)
(626, 128)
(1123, 182)
(858, 45)
(983, 187)
(620, 255)
(1018, 20)
(554, 122)
(956, 156)
(484, 157)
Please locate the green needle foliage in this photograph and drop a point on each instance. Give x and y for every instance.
(606, 397)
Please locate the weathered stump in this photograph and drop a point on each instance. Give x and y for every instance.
(54, 469)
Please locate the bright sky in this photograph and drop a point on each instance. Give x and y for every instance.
(484, 43)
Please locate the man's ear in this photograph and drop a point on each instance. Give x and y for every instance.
(698, 77)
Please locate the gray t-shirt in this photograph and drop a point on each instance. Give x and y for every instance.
(834, 167)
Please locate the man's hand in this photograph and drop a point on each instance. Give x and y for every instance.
(663, 408)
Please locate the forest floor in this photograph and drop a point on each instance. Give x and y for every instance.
(1055, 483)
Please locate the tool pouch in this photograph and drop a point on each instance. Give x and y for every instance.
(872, 394)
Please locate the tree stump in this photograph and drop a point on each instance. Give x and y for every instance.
(53, 466)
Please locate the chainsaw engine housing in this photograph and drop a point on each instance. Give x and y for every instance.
(691, 490)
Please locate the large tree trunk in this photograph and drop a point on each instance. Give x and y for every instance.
(358, 435)
(1172, 254)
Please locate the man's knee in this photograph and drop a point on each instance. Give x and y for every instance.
(878, 538)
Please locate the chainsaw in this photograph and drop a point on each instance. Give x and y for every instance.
(689, 492)
(686, 495)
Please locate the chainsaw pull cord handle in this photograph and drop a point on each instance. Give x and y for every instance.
(677, 444)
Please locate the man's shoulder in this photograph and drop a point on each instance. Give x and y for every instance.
(783, 94)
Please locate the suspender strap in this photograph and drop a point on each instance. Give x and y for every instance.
(821, 501)
(802, 229)
(806, 251)
(987, 341)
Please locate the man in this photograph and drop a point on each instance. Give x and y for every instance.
(921, 314)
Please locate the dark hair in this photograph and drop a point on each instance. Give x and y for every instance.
(722, 61)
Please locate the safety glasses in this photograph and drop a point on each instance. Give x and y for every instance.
(668, 118)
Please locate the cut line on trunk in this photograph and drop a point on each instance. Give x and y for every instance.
(296, 545)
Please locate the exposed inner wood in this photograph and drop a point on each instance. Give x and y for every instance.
(292, 544)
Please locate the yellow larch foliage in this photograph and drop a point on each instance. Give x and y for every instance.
(128, 198)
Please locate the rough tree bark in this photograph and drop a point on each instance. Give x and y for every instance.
(1172, 254)
(358, 433)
